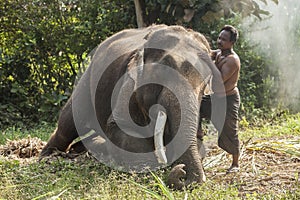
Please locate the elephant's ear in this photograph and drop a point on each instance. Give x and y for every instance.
(135, 66)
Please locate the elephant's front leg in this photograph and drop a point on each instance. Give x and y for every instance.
(183, 124)
(64, 134)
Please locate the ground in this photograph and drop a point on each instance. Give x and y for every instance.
(264, 166)
(267, 165)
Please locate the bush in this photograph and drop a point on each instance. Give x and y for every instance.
(44, 44)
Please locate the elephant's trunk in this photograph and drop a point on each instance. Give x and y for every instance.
(187, 124)
(192, 159)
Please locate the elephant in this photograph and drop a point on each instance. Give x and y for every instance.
(134, 75)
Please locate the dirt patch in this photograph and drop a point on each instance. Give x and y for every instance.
(265, 166)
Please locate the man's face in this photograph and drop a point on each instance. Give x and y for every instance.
(224, 40)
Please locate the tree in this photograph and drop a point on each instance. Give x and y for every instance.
(180, 11)
(43, 44)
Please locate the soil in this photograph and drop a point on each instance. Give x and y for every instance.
(264, 167)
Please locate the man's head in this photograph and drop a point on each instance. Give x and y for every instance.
(227, 37)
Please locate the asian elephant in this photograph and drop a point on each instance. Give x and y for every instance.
(134, 75)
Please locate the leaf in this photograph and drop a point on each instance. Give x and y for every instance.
(163, 187)
(283, 146)
(264, 1)
(145, 189)
(264, 12)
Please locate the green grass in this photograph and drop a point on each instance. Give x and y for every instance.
(285, 126)
(42, 131)
(86, 179)
(92, 181)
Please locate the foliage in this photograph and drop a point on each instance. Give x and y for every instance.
(179, 11)
(159, 184)
(43, 45)
(283, 27)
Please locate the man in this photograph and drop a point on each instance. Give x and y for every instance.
(228, 64)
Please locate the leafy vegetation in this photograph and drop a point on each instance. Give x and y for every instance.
(44, 45)
(180, 11)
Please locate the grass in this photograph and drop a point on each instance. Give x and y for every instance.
(83, 178)
(42, 131)
(90, 181)
(286, 125)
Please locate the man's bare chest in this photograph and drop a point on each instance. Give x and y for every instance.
(220, 61)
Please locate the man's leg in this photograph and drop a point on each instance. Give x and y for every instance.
(226, 122)
(235, 160)
(228, 139)
(205, 112)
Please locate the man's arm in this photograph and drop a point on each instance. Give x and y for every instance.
(229, 67)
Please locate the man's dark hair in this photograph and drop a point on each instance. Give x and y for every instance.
(234, 34)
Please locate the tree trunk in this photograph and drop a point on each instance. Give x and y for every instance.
(139, 14)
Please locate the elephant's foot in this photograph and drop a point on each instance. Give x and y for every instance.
(76, 149)
(58, 141)
(46, 151)
(198, 177)
(176, 176)
(52, 146)
(179, 178)
(50, 150)
(73, 150)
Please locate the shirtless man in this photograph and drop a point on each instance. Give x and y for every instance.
(228, 63)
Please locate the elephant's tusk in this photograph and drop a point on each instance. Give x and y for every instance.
(158, 137)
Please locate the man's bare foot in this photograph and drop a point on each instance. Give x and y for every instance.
(200, 134)
(233, 169)
(235, 164)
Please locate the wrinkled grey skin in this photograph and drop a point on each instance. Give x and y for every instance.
(92, 101)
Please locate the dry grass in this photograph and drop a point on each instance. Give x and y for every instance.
(265, 165)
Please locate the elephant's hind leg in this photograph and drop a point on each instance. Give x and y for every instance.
(64, 134)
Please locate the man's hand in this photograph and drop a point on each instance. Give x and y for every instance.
(214, 53)
(204, 56)
(217, 81)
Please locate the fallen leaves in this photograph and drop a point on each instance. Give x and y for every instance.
(24, 148)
